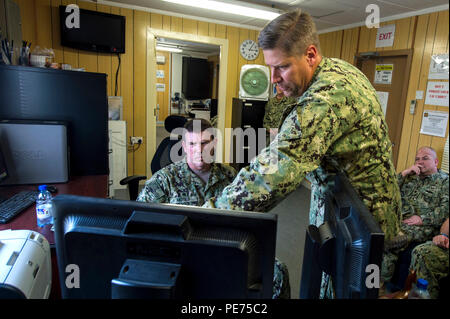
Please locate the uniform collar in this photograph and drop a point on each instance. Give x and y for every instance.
(213, 176)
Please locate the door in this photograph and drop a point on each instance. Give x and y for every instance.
(388, 71)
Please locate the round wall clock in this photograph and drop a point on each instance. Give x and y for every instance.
(249, 49)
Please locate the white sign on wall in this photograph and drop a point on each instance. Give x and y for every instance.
(383, 73)
(160, 74)
(437, 93)
(160, 87)
(385, 36)
(439, 67)
(434, 123)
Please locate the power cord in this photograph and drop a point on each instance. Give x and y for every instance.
(117, 73)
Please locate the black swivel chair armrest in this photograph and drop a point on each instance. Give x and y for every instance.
(133, 184)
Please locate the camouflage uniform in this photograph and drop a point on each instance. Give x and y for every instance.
(273, 116)
(426, 197)
(336, 125)
(178, 184)
(431, 263)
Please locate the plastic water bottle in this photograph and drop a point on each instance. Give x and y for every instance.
(420, 290)
(44, 207)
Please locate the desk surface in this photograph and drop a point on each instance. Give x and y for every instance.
(93, 186)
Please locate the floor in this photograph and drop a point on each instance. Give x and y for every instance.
(292, 221)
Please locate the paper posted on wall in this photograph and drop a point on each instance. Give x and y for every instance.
(434, 123)
(439, 67)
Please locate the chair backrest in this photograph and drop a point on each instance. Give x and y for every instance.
(162, 154)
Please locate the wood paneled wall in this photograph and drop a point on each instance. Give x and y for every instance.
(426, 34)
(40, 25)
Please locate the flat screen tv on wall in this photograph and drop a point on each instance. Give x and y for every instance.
(196, 79)
(96, 31)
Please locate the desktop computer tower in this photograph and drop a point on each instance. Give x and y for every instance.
(246, 114)
(35, 152)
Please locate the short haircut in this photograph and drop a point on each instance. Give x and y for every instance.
(430, 149)
(291, 32)
(204, 125)
(195, 124)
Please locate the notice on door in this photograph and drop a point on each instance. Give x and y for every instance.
(385, 36)
(437, 93)
(434, 123)
(383, 73)
(383, 97)
(160, 87)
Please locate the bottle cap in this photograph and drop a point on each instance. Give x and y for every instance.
(42, 188)
(422, 283)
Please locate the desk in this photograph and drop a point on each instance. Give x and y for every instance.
(93, 186)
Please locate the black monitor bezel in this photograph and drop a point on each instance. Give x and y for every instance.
(68, 207)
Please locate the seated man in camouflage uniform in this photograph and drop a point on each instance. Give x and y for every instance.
(273, 116)
(424, 190)
(195, 179)
(430, 260)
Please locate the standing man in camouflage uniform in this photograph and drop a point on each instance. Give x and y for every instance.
(430, 260)
(195, 179)
(425, 196)
(273, 116)
(337, 125)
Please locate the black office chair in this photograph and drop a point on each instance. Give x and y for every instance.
(161, 157)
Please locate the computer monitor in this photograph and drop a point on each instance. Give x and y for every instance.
(76, 98)
(347, 242)
(126, 249)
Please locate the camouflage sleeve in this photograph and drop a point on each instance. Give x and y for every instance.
(438, 214)
(155, 190)
(400, 180)
(266, 119)
(304, 138)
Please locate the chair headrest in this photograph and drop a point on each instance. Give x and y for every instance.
(174, 121)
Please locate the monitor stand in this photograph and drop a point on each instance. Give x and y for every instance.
(142, 279)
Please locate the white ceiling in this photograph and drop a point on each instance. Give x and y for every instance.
(328, 15)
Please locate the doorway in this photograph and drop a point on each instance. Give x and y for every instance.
(388, 71)
(152, 105)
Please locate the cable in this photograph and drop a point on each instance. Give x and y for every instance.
(117, 73)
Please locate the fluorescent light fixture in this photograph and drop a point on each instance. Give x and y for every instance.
(170, 49)
(228, 8)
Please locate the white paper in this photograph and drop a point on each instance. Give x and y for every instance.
(437, 93)
(419, 95)
(434, 123)
(160, 74)
(160, 87)
(383, 73)
(383, 97)
(439, 67)
(385, 36)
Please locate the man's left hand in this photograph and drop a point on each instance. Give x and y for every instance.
(413, 220)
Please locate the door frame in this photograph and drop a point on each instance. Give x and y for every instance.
(362, 56)
(152, 34)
